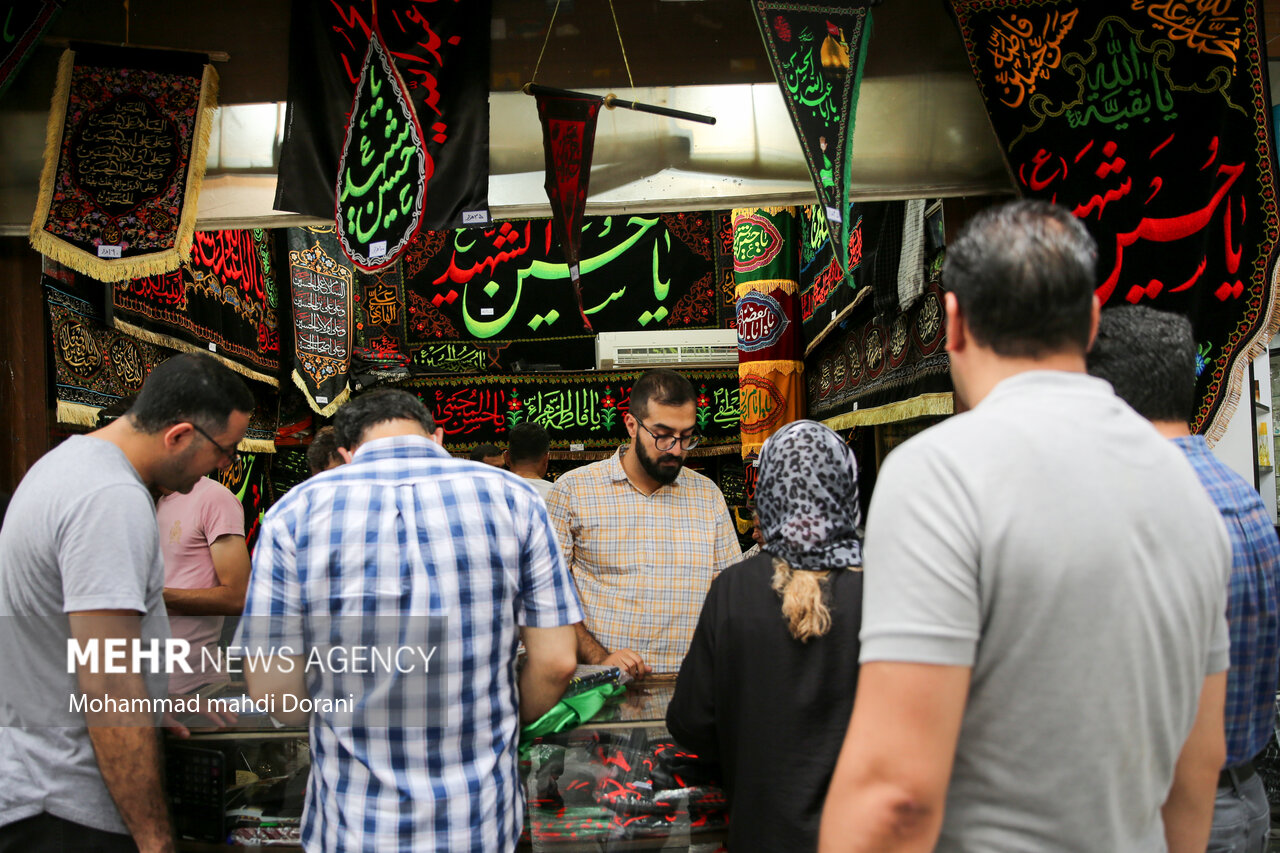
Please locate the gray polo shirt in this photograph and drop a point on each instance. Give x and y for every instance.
(1054, 542)
(79, 534)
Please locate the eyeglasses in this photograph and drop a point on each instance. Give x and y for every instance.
(230, 452)
(667, 442)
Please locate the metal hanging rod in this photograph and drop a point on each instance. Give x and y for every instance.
(611, 101)
(63, 42)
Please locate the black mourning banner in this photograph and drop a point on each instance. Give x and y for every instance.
(1148, 120)
(440, 50)
(382, 176)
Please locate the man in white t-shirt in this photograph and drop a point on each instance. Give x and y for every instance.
(528, 453)
(1044, 641)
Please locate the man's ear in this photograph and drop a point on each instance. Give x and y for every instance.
(629, 421)
(438, 436)
(1094, 317)
(173, 435)
(345, 454)
(506, 458)
(956, 340)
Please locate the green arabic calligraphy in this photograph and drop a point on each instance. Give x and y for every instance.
(1120, 86)
(803, 77)
(547, 271)
(1120, 81)
(384, 182)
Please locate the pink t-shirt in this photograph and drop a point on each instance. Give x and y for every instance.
(189, 524)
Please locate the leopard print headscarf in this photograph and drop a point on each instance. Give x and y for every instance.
(807, 498)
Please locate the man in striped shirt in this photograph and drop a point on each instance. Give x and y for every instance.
(1149, 357)
(643, 535)
(392, 591)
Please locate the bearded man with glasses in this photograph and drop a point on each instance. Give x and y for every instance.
(643, 535)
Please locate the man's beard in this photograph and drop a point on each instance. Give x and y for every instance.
(665, 474)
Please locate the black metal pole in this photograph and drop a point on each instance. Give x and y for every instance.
(612, 101)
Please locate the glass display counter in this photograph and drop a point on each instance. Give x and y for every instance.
(618, 782)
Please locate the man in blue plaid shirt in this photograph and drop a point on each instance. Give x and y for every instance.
(1149, 357)
(389, 594)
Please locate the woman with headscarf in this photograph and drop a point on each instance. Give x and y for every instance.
(767, 686)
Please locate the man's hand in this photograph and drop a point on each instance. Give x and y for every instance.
(629, 662)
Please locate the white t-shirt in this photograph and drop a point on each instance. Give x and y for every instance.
(1053, 541)
(542, 486)
(80, 534)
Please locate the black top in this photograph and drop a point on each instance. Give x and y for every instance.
(771, 709)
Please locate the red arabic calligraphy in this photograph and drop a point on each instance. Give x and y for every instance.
(1168, 229)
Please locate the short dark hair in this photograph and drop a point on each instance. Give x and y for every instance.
(322, 450)
(483, 451)
(1149, 357)
(1024, 275)
(528, 442)
(662, 386)
(360, 413)
(190, 387)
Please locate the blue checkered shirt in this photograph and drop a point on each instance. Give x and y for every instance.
(1253, 602)
(402, 536)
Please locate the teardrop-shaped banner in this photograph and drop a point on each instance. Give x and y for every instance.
(568, 139)
(817, 51)
(382, 176)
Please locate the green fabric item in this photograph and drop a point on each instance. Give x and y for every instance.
(569, 712)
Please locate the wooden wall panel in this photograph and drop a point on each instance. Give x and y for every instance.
(25, 417)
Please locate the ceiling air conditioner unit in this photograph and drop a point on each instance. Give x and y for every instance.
(667, 348)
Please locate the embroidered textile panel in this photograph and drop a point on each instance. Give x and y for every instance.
(124, 159)
(826, 294)
(223, 302)
(321, 284)
(382, 173)
(876, 364)
(816, 51)
(581, 411)
(510, 281)
(1148, 120)
(96, 365)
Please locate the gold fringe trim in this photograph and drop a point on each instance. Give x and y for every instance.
(256, 445)
(52, 148)
(756, 368)
(840, 318)
(1261, 341)
(185, 346)
(920, 406)
(153, 263)
(786, 285)
(333, 405)
(77, 414)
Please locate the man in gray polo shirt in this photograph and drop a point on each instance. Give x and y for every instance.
(1044, 642)
(80, 559)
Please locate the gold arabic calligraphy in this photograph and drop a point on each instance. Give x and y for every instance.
(1207, 26)
(1024, 54)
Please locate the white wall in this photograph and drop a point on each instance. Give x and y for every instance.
(1236, 446)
